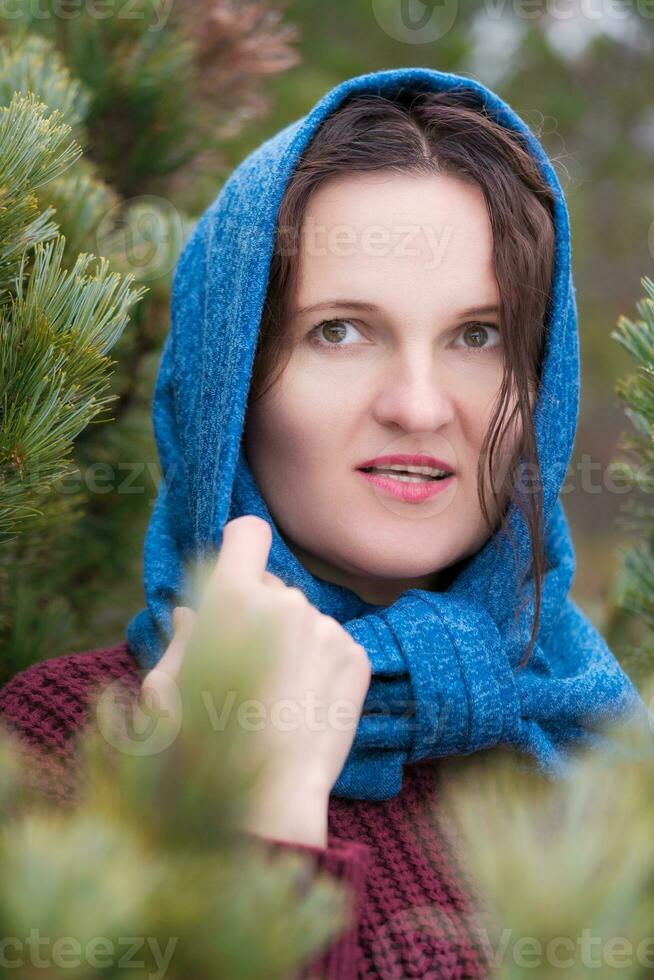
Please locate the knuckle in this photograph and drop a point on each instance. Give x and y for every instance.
(324, 625)
(296, 596)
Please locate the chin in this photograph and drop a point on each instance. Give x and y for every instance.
(388, 570)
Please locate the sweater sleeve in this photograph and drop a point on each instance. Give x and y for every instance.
(347, 861)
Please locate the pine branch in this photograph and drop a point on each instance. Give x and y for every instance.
(81, 201)
(634, 592)
(53, 369)
(168, 84)
(557, 861)
(35, 148)
(31, 64)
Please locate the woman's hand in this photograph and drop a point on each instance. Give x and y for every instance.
(313, 694)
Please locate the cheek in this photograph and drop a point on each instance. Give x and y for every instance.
(475, 415)
(474, 407)
(288, 429)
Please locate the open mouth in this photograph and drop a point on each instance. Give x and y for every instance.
(414, 474)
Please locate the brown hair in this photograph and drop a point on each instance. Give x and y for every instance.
(441, 132)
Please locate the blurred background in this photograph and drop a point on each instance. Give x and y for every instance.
(165, 114)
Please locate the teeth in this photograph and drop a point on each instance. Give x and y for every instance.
(405, 478)
(425, 470)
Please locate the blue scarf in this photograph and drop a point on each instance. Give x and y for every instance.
(443, 663)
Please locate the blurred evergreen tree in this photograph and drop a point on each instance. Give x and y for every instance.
(564, 868)
(631, 622)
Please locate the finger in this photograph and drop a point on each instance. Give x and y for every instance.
(183, 618)
(171, 660)
(244, 548)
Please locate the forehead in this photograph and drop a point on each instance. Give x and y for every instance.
(408, 237)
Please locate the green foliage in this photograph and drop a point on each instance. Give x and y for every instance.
(80, 200)
(31, 64)
(33, 150)
(565, 868)
(54, 334)
(144, 89)
(55, 325)
(633, 619)
(638, 391)
(154, 848)
(166, 83)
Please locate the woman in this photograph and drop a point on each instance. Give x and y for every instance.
(413, 220)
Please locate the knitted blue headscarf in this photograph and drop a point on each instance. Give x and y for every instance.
(443, 663)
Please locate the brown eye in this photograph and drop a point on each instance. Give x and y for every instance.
(477, 334)
(332, 330)
(331, 333)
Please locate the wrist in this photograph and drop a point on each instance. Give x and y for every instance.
(289, 810)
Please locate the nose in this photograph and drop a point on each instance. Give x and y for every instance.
(414, 395)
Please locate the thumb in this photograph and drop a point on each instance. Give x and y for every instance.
(167, 668)
(183, 621)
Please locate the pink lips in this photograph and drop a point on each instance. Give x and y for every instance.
(410, 493)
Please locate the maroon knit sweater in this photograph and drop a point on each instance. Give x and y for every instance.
(415, 903)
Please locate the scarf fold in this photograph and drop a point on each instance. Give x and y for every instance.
(444, 677)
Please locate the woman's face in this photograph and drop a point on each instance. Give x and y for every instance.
(404, 365)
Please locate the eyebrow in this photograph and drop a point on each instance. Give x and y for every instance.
(353, 304)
